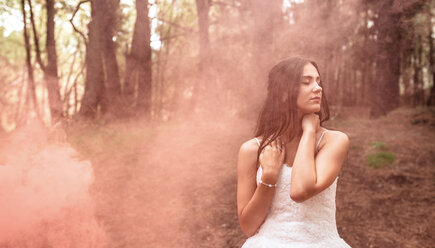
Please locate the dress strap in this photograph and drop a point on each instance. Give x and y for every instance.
(320, 139)
(258, 142)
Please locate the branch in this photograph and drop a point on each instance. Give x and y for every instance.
(35, 38)
(72, 18)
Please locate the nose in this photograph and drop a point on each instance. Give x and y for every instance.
(317, 87)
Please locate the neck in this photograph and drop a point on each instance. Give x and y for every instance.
(296, 132)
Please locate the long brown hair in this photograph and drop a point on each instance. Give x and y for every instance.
(279, 112)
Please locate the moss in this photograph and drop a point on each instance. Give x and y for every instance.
(356, 147)
(378, 159)
(378, 145)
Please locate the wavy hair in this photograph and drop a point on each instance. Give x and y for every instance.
(279, 113)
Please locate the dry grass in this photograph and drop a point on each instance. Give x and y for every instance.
(174, 185)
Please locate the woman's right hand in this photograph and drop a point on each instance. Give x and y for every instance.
(272, 159)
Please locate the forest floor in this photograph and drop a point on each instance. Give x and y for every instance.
(174, 184)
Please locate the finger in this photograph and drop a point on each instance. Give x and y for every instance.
(273, 144)
(278, 144)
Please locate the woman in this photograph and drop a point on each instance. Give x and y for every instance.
(287, 175)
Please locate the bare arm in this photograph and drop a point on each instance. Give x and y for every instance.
(253, 202)
(310, 175)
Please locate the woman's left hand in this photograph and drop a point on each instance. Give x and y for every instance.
(310, 122)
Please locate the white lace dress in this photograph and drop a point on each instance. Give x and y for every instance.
(295, 225)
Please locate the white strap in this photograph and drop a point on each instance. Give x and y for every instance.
(257, 141)
(320, 139)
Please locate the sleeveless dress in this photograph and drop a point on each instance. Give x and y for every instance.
(289, 224)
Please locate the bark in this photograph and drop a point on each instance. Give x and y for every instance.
(138, 64)
(111, 100)
(50, 73)
(94, 84)
(50, 69)
(418, 94)
(31, 89)
(365, 61)
(431, 100)
(385, 91)
(204, 80)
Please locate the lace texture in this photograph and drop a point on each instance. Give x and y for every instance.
(295, 225)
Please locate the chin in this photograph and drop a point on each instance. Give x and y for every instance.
(311, 111)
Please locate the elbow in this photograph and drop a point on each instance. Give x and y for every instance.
(298, 196)
(247, 231)
(247, 228)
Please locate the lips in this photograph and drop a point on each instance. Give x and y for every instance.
(315, 98)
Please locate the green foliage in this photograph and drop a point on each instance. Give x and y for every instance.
(381, 157)
(378, 159)
(378, 145)
(356, 147)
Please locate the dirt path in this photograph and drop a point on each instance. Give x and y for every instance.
(178, 188)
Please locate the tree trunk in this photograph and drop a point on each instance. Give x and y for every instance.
(50, 73)
(366, 63)
(31, 89)
(204, 80)
(138, 64)
(50, 69)
(417, 97)
(94, 85)
(431, 100)
(111, 100)
(385, 91)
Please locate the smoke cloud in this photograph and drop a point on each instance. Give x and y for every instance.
(44, 193)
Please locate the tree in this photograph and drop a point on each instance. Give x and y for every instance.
(31, 89)
(94, 85)
(103, 87)
(112, 98)
(204, 80)
(431, 16)
(138, 65)
(385, 89)
(50, 68)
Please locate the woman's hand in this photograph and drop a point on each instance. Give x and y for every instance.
(272, 159)
(310, 122)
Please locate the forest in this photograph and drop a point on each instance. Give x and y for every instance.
(116, 59)
(134, 110)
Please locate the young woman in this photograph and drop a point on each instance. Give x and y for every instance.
(287, 175)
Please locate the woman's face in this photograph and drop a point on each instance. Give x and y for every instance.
(310, 92)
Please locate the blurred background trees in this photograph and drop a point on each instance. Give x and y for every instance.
(159, 59)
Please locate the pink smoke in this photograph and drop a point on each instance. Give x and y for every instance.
(44, 194)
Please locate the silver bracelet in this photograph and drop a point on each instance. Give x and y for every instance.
(267, 184)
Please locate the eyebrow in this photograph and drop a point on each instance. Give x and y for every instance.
(309, 77)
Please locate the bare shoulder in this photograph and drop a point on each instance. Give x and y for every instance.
(248, 153)
(249, 148)
(337, 139)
